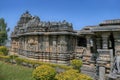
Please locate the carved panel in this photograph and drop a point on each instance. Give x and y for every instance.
(63, 46)
(105, 54)
(32, 43)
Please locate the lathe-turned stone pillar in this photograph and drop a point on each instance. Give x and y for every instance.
(99, 43)
(88, 43)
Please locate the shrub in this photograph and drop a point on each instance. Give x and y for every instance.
(67, 75)
(13, 56)
(72, 75)
(1, 53)
(19, 61)
(36, 62)
(4, 58)
(44, 72)
(76, 64)
(83, 77)
(4, 50)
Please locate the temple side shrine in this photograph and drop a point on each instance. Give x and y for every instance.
(56, 42)
(102, 47)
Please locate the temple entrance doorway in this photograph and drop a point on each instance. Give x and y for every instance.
(81, 42)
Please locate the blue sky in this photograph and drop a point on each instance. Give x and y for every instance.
(79, 12)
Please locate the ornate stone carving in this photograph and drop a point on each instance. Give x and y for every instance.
(63, 46)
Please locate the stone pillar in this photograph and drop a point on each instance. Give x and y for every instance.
(25, 43)
(105, 41)
(54, 49)
(117, 43)
(98, 43)
(40, 41)
(47, 43)
(36, 43)
(54, 44)
(101, 73)
(88, 43)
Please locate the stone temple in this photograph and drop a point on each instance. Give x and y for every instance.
(56, 42)
(48, 41)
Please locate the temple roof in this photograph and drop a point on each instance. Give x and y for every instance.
(86, 30)
(28, 24)
(107, 25)
(106, 28)
(110, 22)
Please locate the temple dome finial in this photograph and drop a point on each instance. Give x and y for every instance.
(26, 14)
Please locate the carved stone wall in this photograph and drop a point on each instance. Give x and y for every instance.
(47, 41)
(52, 48)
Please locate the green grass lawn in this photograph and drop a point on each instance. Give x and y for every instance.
(14, 72)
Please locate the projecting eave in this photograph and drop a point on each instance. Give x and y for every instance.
(48, 33)
(14, 36)
(106, 28)
(86, 33)
(83, 32)
(110, 22)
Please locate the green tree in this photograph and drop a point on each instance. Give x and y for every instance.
(44, 72)
(3, 31)
(76, 64)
